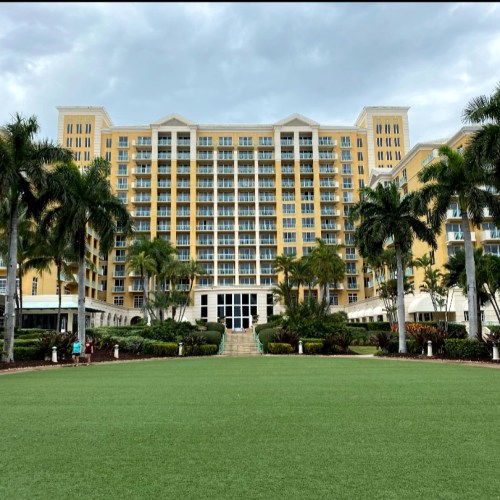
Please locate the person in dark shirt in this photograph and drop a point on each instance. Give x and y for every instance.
(89, 350)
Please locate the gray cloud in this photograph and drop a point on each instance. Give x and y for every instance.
(251, 62)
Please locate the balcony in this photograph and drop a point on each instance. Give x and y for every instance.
(453, 214)
(136, 288)
(164, 155)
(163, 227)
(204, 227)
(118, 289)
(206, 256)
(226, 242)
(489, 235)
(141, 141)
(226, 256)
(458, 237)
(164, 141)
(143, 155)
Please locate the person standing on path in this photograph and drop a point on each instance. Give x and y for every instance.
(76, 352)
(89, 350)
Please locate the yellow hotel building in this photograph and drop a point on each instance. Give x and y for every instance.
(236, 196)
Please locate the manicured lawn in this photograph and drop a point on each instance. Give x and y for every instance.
(245, 428)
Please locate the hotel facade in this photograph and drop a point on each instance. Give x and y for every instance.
(234, 197)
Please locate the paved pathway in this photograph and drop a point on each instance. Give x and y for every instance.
(240, 344)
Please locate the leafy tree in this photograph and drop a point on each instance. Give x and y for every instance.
(23, 164)
(284, 264)
(384, 216)
(453, 178)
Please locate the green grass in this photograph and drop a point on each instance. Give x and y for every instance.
(248, 428)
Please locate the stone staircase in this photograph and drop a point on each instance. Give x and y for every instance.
(240, 344)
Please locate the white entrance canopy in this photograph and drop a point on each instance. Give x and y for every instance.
(424, 304)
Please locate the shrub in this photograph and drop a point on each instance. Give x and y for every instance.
(287, 337)
(32, 332)
(27, 353)
(216, 327)
(382, 340)
(31, 335)
(194, 339)
(265, 326)
(201, 350)
(212, 337)
(118, 331)
(266, 336)
(466, 349)
(62, 341)
(343, 338)
(161, 348)
(280, 348)
(168, 331)
(313, 347)
(329, 343)
(131, 344)
(373, 325)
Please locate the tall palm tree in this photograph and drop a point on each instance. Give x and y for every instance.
(144, 265)
(23, 164)
(191, 270)
(284, 264)
(453, 178)
(327, 266)
(84, 199)
(385, 215)
(485, 144)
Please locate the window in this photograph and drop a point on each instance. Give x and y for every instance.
(122, 169)
(87, 142)
(398, 155)
(348, 226)
(290, 251)
(347, 183)
(361, 170)
(348, 197)
(360, 156)
(78, 142)
(389, 155)
(138, 301)
(34, 287)
(123, 141)
(78, 156)
(245, 141)
(288, 209)
(352, 297)
(225, 141)
(119, 301)
(122, 197)
(345, 142)
(69, 128)
(380, 155)
(388, 141)
(379, 142)
(347, 211)
(122, 155)
(307, 208)
(396, 129)
(288, 196)
(88, 128)
(265, 141)
(334, 299)
(350, 253)
(78, 128)
(387, 128)
(308, 237)
(69, 142)
(361, 183)
(307, 222)
(108, 145)
(288, 223)
(379, 128)
(108, 155)
(289, 237)
(86, 156)
(360, 142)
(346, 169)
(396, 141)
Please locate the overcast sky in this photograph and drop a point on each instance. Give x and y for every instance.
(249, 62)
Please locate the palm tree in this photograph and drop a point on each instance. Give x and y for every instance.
(485, 144)
(327, 266)
(22, 175)
(144, 265)
(284, 264)
(302, 272)
(84, 199)
(191, 270)
(453, 178)
(384, 216)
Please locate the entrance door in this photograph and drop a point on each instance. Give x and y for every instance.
(238, 309)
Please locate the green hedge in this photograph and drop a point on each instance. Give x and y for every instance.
(21, 343)
(494, 328)
(118, 331)
(27, 353)
(313, 347)
(201, 350)
(279, 348)
(466, 349)
(212, 336)
(215, 327)
(265, 326)
(266, 336)
(374, 325)
(161, 348)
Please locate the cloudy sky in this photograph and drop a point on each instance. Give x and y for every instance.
(249, 62)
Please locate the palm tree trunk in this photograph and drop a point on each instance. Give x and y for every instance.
(470, 271)
(146, 299)
(81, 286)
(10, 310)
(20, 321)
(401, 302)
(58, 321)
(479, 322)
